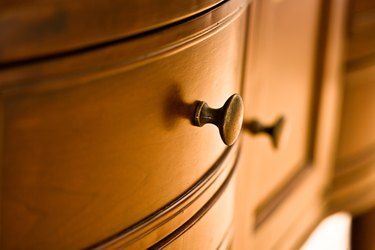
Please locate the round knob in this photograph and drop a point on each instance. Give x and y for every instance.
(274, 130)
(228, 118)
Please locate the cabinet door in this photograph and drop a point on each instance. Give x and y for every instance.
(280, 83)
(292, 71)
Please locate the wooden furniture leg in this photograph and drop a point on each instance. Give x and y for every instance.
(363, 231)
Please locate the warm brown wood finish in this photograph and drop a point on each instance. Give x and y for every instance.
(295, 203)
(356, 124)
(97, 141)
(363, 231)
(98, 148)
(42, 28)
(354, 182)
(180, 214)
(287, 92)
(357, 6)
(204, 230)
(361, 35)
(353, 185)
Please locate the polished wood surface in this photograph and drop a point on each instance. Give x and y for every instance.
(297, 205)
(85, 148)
(98, 147)
(168, 223)
(287, 92)
(204, 230)
(41, 28)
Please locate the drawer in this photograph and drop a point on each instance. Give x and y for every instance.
(280, 83)
(42, 28)
(97, 141)
(161, 229)
(204, 230)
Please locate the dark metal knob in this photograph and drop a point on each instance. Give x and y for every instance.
(228, 118)
(274, 130)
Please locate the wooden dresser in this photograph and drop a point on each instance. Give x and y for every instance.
(102, 111)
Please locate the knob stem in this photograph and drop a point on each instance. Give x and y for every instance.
(274, 130)
(204, 114)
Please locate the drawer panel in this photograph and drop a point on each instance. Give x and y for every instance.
(95, 142)
(280, 83)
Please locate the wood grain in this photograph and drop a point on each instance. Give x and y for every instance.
(98, 149)
(88, 139)
(157, 226)
(39, 28)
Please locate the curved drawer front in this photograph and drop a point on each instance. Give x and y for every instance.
(204, 230)
(95, 142)
(210, 198)
(42, 28)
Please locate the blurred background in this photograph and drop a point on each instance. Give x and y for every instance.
(355, 161)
